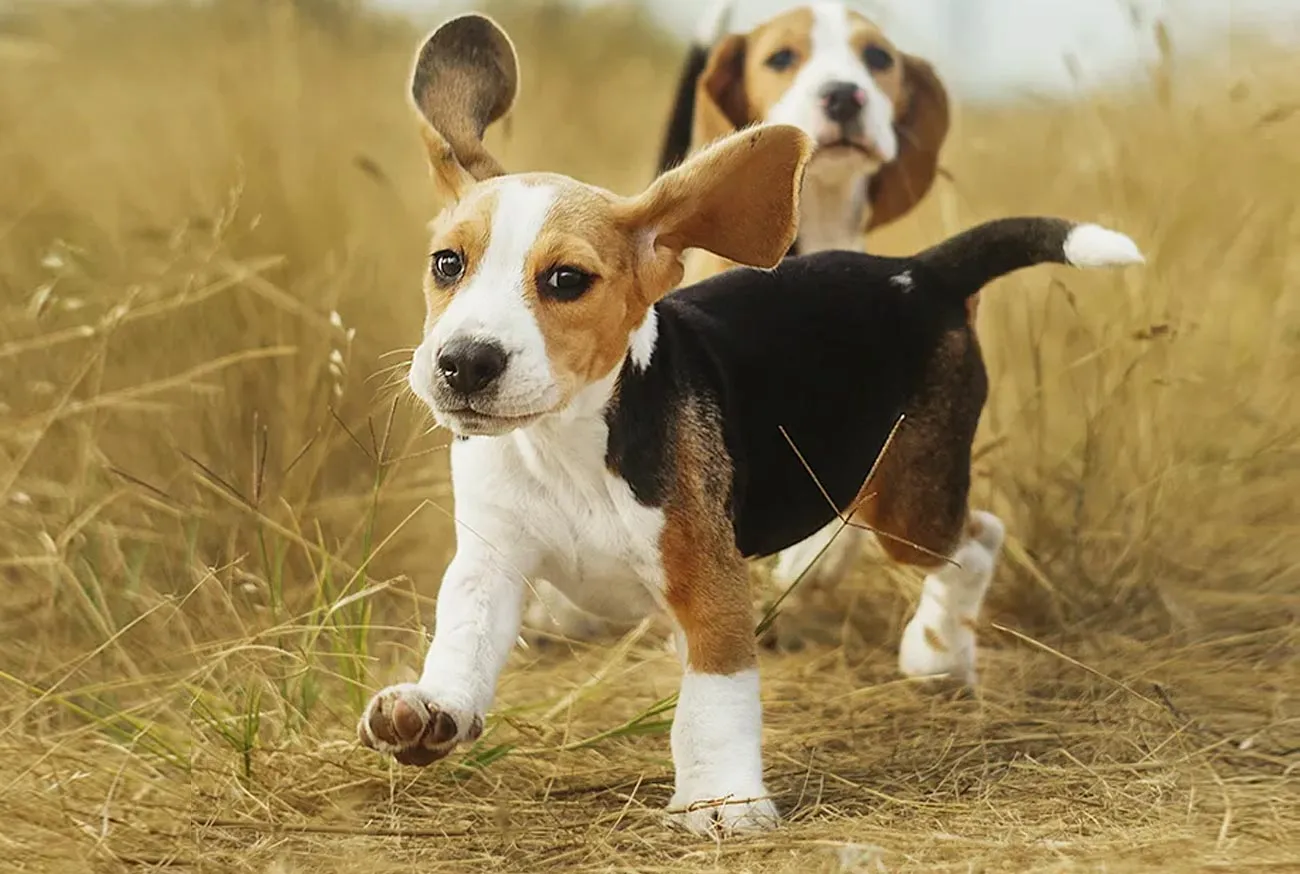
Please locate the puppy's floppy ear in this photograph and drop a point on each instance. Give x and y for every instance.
(737, 198)
(466, 76)
(721, 105)
(922, 126)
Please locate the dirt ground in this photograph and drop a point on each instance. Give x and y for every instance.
(223, 520)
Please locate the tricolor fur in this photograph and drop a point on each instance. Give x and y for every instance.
(877, 156)
(626, 443)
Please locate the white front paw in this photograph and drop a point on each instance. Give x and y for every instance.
(719, 815)
(407, 722)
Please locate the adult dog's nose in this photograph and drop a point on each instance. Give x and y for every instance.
(843, 101)
(469, 366)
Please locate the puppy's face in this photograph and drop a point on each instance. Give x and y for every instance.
(535, 287)
(538, 285)
(832, 73)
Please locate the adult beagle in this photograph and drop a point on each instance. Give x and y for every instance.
(878, 116)
(631, 444)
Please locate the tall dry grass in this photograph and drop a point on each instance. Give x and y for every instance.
(221, 520)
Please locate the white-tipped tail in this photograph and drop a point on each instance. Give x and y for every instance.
(1094, 246)
(715, 21)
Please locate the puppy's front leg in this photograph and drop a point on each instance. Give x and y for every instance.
(477, 622)
(717, 730)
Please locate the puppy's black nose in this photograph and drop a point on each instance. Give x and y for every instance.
(843, 101)
(469, 366)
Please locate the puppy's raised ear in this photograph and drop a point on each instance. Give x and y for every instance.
(922, 127)
(721, 105)
(466, 76)
(737, 198)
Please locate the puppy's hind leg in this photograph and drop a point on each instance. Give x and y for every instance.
(816, 561)
(821, 557)
(550, 614)
(939, 641)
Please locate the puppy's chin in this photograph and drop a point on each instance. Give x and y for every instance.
(470, 423)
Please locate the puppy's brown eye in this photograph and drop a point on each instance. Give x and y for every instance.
(448, 266)
(780, 60)
(877, 59)
(565, 283)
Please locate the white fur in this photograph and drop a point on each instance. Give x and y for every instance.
(833, 201)
(950, 603)
(550, 485)
(834, 59)
(902, 281)
(491, 305)
(536, 501)
(644, 338)
(477, 621)
(1090, 245)
(832, 548)
(717, 750)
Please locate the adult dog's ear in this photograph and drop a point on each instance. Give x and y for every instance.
(737, 198)
(922, 127)
(466, 76)
(721, 105)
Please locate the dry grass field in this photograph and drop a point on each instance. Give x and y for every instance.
(223, 520)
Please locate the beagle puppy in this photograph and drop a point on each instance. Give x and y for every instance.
(878, 116)
(632, 443)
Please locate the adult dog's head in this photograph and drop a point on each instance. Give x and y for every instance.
(878, 116)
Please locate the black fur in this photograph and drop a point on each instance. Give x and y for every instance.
(677, 140)
(832, 347)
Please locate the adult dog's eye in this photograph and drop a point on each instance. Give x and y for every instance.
(877, 58)
(448, 266)
(780, 60)
(565, 283)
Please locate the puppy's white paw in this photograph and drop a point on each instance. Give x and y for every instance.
(720, 816)
(407, 723)
(944, 651)
(939, 642)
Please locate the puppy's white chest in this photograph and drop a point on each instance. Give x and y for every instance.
(590, 537)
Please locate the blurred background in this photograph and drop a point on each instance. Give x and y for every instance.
(223, 518)
(999, 50)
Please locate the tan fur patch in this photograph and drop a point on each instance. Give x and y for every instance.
(588, 337)
(738, 198)
(466, 229)
(707, 587)
(763, 86)
(934, 641)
